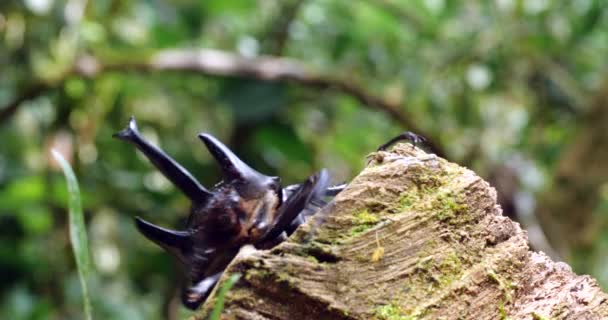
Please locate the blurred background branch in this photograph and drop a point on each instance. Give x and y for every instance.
(212, 62)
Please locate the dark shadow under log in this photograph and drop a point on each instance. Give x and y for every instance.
(412, 237)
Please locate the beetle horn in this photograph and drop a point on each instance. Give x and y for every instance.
(233, 168)
(175, 242)
(177, 174)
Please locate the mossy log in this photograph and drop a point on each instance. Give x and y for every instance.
(412, 237)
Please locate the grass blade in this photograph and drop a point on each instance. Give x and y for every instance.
(78, 234)
(219, 302)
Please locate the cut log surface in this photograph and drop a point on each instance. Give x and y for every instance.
(412, 237)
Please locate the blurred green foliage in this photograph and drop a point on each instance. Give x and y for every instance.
(504, 81)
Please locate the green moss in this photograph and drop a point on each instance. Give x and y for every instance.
(409, 199)
(318, 252)
(254, 273)
(505, 285)
(392, 312)
(284, 277)
(266, 276)
(537, 316)
(502, 312)
(364, 217)
(362, 221)
(447, 208)
(450, 269)
(425, 264)
(440, 272)
(357, 230)
(312, 259)
(425, 179)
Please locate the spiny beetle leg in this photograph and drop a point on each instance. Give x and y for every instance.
(196, 294)
(312, 188)
(332, 191)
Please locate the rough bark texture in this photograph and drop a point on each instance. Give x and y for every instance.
(412, 237)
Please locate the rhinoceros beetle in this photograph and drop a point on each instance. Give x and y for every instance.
(246, 207)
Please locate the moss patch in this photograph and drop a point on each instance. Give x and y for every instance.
(362, 221)
(505, 285)
(364, 217)
(440, 273)
(537, 316)
(409, 199)
(450, 209)
(392, 312)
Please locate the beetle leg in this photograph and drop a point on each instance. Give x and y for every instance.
(196, 294)
(177, 174)
(295, 223)
(289, 190)
(313, 205)
(412, 137)
(330, 191)
(272, 242)
(312, 188)
(335, 189)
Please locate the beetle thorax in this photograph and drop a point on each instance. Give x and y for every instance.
(230, 218)
(263, 212)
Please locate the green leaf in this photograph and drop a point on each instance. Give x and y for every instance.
(78, 234)
(219, 303)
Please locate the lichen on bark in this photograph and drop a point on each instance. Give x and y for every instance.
(412, 237)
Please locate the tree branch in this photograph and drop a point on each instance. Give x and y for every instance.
(220, 63)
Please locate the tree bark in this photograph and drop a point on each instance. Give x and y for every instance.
(412, 237)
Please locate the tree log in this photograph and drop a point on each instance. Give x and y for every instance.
(412, 237)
